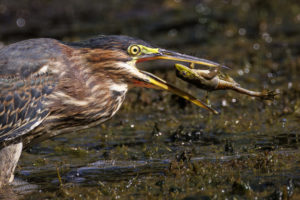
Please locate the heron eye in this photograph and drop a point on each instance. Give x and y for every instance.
(134, 50)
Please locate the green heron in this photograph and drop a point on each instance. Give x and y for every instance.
(49, 87)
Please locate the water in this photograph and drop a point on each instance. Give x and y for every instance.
(159, 146)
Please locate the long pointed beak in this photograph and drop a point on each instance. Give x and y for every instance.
(151, 80)
(172, 55)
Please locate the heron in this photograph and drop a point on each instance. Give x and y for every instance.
(49, 87)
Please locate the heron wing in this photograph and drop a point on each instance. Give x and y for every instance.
(24, 87)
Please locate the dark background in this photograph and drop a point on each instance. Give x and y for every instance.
(250, 151)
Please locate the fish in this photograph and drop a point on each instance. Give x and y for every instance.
(213, 79)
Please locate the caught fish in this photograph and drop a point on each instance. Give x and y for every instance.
(214, 79)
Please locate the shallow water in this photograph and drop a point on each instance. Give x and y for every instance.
(159, 146)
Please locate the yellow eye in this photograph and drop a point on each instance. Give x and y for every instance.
(134, 50)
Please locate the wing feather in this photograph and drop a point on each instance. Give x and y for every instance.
(23, 107)
(25, 86)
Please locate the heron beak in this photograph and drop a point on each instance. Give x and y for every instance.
(152, 81)
(158, 54)
(149, 80)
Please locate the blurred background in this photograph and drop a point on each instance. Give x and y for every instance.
(159, 146)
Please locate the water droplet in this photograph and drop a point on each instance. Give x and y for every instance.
(267, 37)
(242, 31)
(270, 75)
(21, 22)
(240, 72)
(256, 46)
(224, 103)
(264, 35)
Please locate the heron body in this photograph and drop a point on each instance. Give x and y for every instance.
(49, 87)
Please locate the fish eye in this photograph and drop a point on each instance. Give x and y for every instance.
(134, 50)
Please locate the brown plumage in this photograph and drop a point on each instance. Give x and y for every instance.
(62, 88)
(48, 87)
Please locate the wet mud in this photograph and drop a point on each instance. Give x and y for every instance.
(159, 146)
